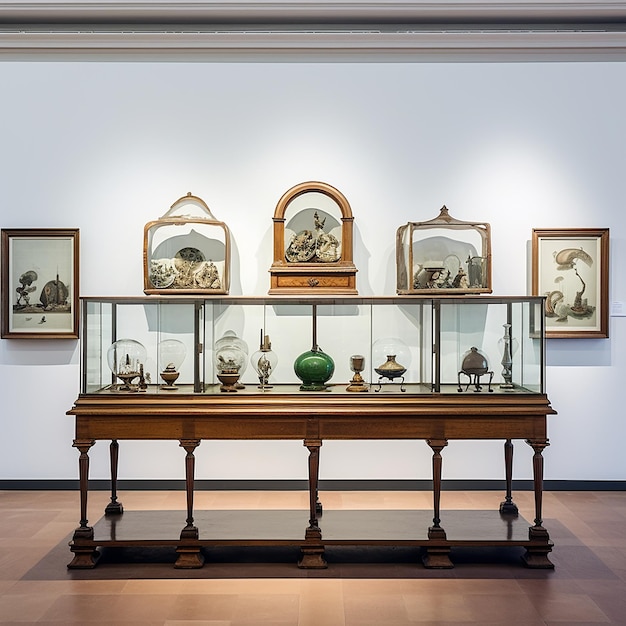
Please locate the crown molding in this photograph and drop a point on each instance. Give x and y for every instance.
(315, 46)
(299, 30)
(304, 11)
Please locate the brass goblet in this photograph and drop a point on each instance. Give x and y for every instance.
(357, 365)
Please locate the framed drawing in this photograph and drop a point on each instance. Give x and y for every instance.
(40, 283)
(570, 267)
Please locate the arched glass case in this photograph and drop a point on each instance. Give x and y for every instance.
(443, 255)
(313, 242)
(187, 251)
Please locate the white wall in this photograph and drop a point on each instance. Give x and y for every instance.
(107, 147)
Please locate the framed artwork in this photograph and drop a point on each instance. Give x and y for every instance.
(570, 267)
(40, 283)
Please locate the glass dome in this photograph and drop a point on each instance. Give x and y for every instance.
(232, 346)
(229, 358)
(264, 361)
(172, 353)
(385, 347)
(126, 359)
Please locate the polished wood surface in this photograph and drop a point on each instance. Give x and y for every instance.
(376, 586)
(285, 413)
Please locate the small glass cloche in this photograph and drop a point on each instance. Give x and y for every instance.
(230, 339)
(172, 353)
(230, 356)
(126, 359)
(264, 361)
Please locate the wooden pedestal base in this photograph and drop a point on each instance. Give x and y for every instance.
(189, 557)
(312, 550)
(536, 555)
(437, 556)
(84, 550)
(361, 529)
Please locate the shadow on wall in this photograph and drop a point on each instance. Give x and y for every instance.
(578, 352)
(39, 352)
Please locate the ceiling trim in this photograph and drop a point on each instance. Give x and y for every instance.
(297, 30)
(316, 46)
(304, 11)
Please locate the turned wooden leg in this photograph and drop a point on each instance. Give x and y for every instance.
(189, 554)
(313, 549)
(114, 507)
(508, 507)
(437, 555)
(85, 553)
(537, 552)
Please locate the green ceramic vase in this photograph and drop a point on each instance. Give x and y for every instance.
(314, 368)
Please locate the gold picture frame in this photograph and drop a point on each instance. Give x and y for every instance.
(570, 267)
(40, 283)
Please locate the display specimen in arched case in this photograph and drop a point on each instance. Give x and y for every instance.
(187, 251)
(313, 242)
(443, 255)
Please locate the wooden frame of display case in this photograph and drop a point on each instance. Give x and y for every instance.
(338, 277)
(207, 268)
(286, 414)
(447, 275)
(429, 407)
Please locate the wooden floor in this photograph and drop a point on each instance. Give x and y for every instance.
(587, 586)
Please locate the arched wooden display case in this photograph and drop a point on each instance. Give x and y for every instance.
(313, 244)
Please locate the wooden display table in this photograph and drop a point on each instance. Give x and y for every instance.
(286, 413)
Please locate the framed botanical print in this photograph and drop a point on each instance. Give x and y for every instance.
(40, 283)
(570, 267)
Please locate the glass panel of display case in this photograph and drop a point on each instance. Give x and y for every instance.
(317, 336)
(401, 346)
(344, 332)
(411, 345)
(96, 339)
(232, 336)
(528, 347)
(490, 346)
(140, 345)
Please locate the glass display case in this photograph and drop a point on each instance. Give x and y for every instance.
(407, 345)
(443, 255)
(186, 251)
(313, 242)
